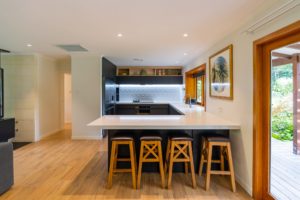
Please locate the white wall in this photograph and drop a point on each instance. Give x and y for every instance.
(240, 109)
(32, 97)
(49, 104)
(86, 95)
(20, 92)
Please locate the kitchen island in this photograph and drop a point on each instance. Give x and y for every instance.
(193, 121)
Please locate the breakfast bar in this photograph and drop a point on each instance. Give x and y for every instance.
(193, 121)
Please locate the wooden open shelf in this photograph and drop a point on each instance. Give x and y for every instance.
(149, 71)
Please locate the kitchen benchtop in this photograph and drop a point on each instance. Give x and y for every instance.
(193, 118)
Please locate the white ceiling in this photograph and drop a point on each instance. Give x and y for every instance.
(289, 50)
(152, 29)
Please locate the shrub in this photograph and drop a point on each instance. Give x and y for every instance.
(282, 126)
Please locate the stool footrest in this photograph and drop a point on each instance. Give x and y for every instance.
(151, 160)
(181, 160)
(124, 159)
(121, 170)
(220, 172)
(213, 161)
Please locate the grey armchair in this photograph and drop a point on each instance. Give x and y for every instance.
(6, 166)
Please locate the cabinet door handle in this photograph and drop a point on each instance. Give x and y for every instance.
(16, 122)
(17, 130)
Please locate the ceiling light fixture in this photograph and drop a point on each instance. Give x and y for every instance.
(185, 54)
(29, 45)
(185, 35)
(120, 35)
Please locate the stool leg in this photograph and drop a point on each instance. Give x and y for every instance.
(222, 158)
(186, 165)
(133, 165)
(116, 157)
(140, 165)
(186, 168)
(192, 165)
(202, 157)
(171, 164)
(209, 155)
(230, 163)
(167, 156)
(111, 164)
(161, 167)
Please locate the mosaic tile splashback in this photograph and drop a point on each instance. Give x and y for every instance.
(156, 93)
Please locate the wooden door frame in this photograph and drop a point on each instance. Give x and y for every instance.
(188, 75)
(261, 104)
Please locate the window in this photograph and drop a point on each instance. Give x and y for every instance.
(199, 89)
(195, 85)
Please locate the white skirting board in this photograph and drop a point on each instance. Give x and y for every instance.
(244, 185)
(48, 134)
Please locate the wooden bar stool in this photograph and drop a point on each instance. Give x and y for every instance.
(179, 149)
(151, 151)
(116, 141)
(206, 157)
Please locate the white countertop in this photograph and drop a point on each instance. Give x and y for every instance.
(193, 118)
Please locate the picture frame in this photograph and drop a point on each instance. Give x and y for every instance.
(221, 74)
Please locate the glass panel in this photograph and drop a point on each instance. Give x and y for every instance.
(199, 89)
(284, 163)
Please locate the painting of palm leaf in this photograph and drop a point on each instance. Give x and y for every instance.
(221, 74)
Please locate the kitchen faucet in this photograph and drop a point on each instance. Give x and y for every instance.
(189, 100)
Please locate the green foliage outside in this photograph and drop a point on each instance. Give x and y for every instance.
(199, 90)
(282, 102)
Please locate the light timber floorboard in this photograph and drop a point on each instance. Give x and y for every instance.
(58, 168)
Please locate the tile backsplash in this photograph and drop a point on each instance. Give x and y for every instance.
(156, 93)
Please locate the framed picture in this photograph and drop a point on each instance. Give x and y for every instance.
(221, 74)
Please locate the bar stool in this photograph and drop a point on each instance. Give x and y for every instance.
(179, 149)
(150, 152)
(116, 141)
(206, 157)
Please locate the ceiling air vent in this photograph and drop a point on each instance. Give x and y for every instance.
(72, 47)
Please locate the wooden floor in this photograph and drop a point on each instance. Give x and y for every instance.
(285, 168)
(61, 168)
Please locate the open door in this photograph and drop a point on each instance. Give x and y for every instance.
(276, 99)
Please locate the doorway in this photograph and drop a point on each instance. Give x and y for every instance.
(67, 100)
(284, 152)
(276, 93)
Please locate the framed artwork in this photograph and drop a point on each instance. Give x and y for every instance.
(221, 74)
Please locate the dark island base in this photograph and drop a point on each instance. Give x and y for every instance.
(178, 167)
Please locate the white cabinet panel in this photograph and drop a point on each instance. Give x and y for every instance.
(24, 114)
(24, 130)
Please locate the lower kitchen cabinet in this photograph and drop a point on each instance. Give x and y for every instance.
(146, 109)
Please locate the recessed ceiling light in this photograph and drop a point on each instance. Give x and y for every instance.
(185, 35)
(120, 35)
(29, 45)
(185, 54)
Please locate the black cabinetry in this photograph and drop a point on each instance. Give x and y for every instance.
(7, 129)
(109, 86)
(146, 109)
(149, 80)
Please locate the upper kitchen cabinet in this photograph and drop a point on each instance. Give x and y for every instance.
(108, 69)
(149, 75)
